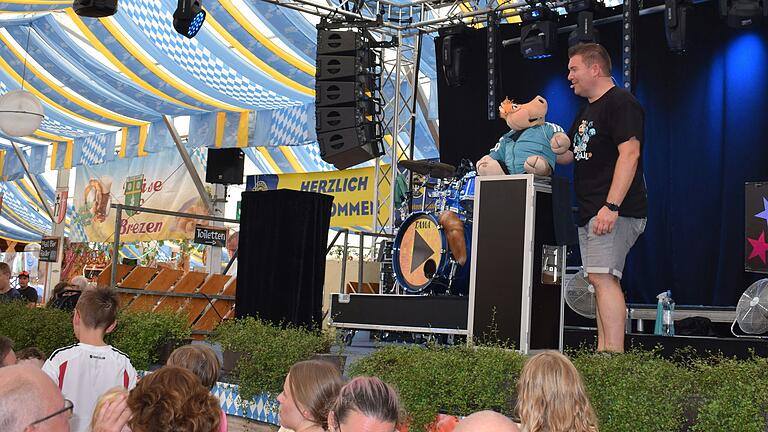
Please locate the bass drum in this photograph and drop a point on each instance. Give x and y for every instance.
(421, 260)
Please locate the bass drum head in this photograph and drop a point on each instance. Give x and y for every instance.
(419, 253)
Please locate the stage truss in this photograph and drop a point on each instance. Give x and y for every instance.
(403, 24)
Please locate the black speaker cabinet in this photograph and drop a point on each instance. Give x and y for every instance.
(225, 166)
(348, 147)
(334, 42)
(341, 67)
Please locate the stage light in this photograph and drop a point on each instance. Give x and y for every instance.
(454, 53)
(743, 13)
(95, 8)
(538, 40)
(585, 30)
(188, 18)
(675, 18)
(580, 6)
(537, 13)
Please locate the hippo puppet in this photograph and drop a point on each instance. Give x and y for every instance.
(531, 146)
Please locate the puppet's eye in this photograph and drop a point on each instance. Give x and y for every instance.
(515, 106)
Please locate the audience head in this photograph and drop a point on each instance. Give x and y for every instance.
(58, 288)
(5, 277)
(308, 393)
(172, 399)
(551, 396)
(96, 309)
(7, 356)
(79, 282)
(200, 359)
(486, 421)
(108, 396)
(365, 404)
(23, 279)
(32, 356)
(30, 401)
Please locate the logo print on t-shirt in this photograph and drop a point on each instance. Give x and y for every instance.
(581, 139)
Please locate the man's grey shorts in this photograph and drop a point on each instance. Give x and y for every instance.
(606, 253)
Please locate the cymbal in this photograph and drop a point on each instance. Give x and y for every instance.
(430, 168)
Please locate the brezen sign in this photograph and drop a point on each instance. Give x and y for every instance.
(210, 236)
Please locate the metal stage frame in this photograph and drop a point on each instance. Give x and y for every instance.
(400, 26)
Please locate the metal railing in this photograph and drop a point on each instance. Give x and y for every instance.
(118, 221)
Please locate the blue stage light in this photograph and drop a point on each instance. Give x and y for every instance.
(188, 18)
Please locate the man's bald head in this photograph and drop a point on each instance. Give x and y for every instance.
(486, 421)
(28, 394)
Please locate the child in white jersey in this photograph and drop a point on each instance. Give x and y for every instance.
(86, 370)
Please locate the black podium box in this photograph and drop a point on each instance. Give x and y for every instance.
(507, 300)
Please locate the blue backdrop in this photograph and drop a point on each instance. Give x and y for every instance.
(706, 117)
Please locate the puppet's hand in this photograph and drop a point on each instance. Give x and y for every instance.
(488, 166)
(537, 165)
(560, 143)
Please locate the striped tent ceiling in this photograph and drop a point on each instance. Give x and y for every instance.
(247, 80)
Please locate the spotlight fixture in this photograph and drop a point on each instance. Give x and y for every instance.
(188, 18)
(95, 8)
(580, 6)
(537, 13)
(585, 30)
(454, 54)
(744, 13)
(675, 18)
(538, 40)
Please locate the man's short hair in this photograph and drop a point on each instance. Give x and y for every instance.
(98, 307)
(592, 53)
(4, 268)
(6, 345)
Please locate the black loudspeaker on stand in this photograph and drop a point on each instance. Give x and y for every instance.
(347, 98)
(225, 166)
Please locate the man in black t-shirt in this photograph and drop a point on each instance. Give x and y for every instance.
(607, 138)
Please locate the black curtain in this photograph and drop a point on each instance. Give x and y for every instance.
(706, 115)
(281, 256)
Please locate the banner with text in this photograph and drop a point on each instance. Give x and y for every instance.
(160, 181)
(352, 190)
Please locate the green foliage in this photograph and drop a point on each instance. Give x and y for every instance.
(268, 352)
(457, 380)
(734, 395)
(46, 329)
(140, 334)
(636, 391)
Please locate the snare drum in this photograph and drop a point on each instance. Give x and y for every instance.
(421, 259)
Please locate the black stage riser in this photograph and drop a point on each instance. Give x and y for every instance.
(670, 347)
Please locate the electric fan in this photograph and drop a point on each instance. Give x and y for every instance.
(580, 295)
(752, 309)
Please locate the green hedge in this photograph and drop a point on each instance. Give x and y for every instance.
(139, 334)
(142, 334)
(46, 329)
(632, 392)
(268, 352)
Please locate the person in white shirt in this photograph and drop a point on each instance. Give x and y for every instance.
(84, 371)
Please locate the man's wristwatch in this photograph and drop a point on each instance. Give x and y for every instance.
(611, 206)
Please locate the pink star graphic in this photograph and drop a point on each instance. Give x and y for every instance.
(759, 247)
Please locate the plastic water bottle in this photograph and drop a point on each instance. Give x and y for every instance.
(667, 320)
(659, 313)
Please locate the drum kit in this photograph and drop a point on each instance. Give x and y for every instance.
(422, 260)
